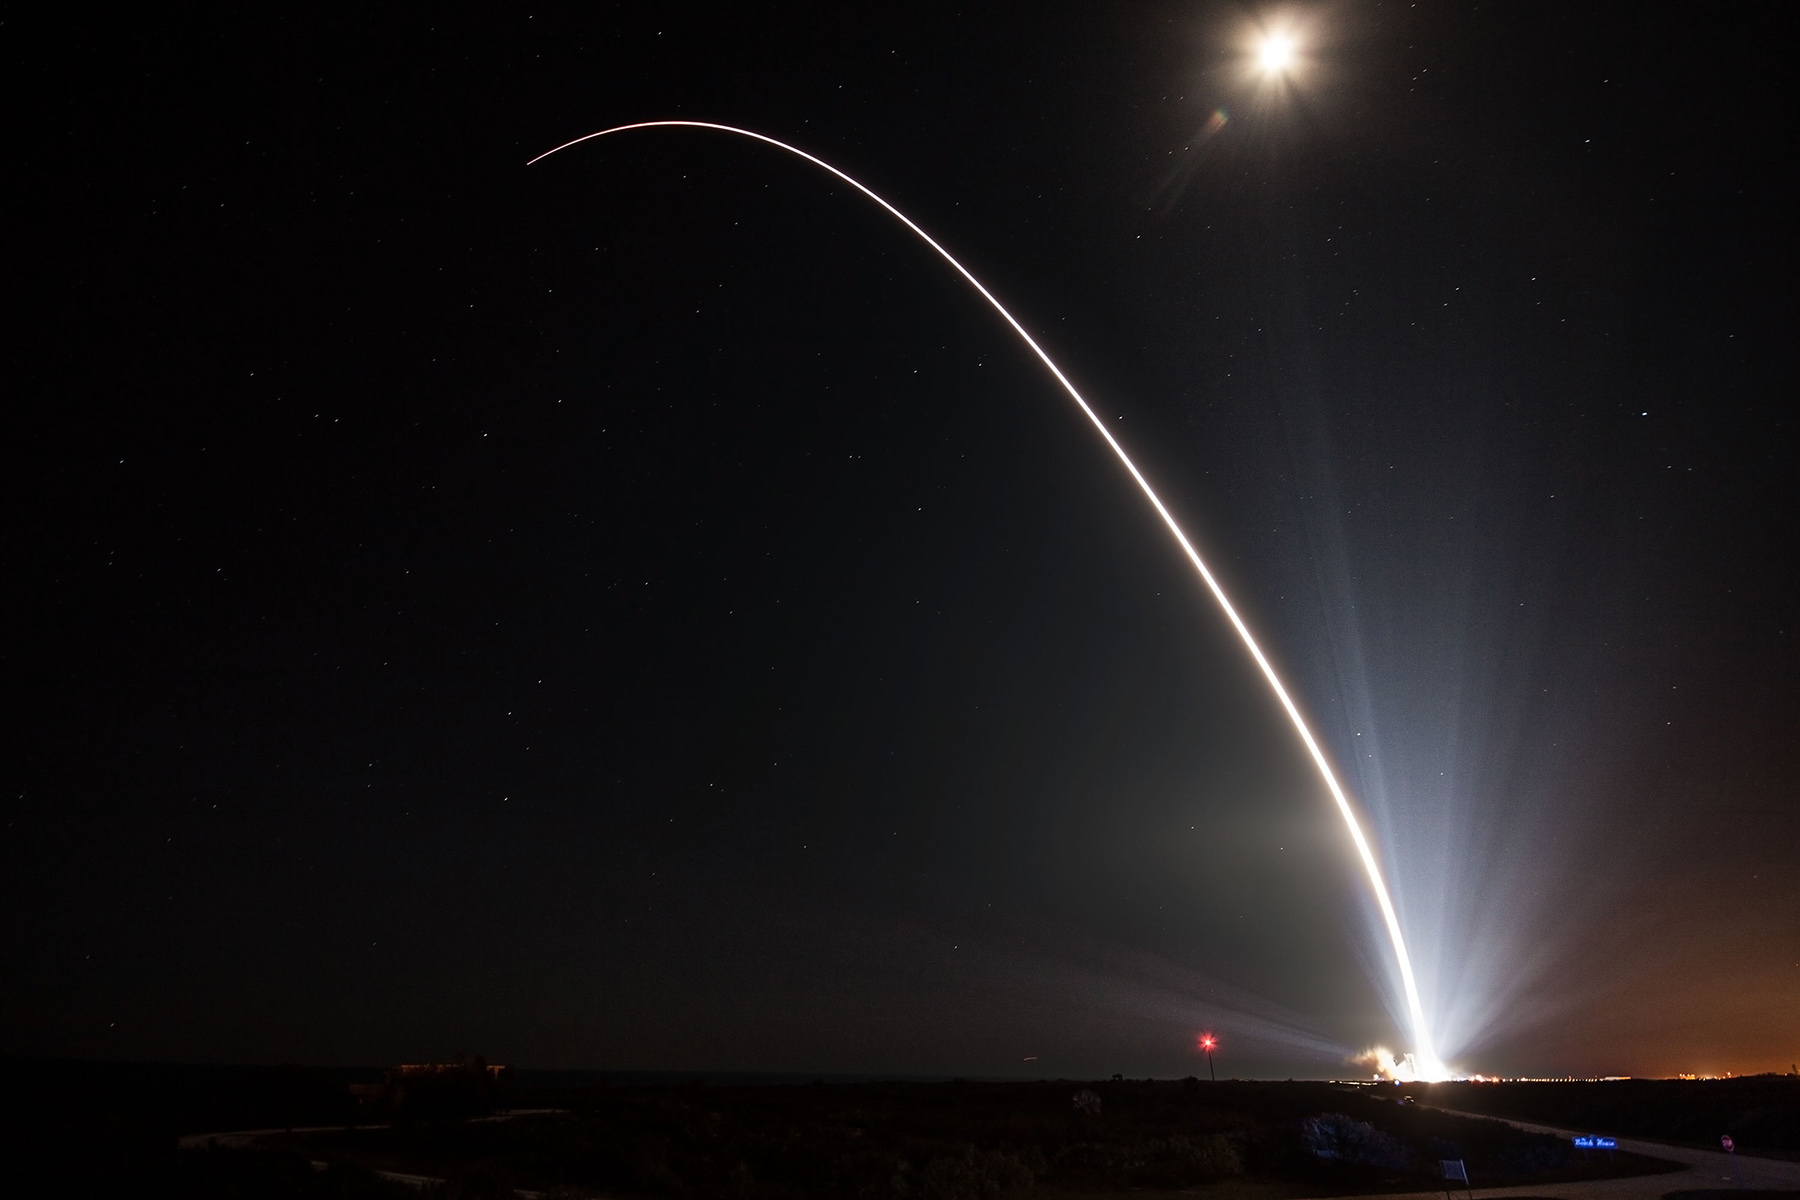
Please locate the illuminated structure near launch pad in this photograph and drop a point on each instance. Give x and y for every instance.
(1425, 1058)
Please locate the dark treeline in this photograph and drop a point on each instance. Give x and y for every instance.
(955, 1139)
(169, 1099)
(93, 1129)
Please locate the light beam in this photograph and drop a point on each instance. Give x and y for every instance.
(1423, 1053)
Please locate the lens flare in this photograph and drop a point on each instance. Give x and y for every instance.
(1428, 1065)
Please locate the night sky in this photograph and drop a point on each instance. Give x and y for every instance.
(644, 611)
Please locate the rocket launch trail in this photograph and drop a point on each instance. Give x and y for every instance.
(1424, 1055)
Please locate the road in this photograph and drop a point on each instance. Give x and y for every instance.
(1707, 1171)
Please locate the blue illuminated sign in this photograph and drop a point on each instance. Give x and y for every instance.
(1596, 1143)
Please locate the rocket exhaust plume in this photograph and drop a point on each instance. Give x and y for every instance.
(1404, 1069)
(1429, 1067)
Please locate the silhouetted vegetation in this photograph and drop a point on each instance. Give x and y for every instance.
(256, 1174)
(1760, 1112)
(181, 1098)
(953, 1140)
(105, 1164)
(89, 1132)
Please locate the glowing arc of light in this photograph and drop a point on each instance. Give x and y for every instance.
(1421, 1035)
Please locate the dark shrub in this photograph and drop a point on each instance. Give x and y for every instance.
(967, 1176)
(1335, 1136)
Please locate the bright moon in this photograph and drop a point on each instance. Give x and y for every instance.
(1277, 52)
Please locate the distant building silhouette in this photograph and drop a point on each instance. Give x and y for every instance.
(463, 1088)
